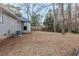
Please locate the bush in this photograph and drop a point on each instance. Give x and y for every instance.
(74, 31)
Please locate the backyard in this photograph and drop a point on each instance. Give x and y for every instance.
(39, 43)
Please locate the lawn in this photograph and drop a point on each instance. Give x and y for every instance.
(39, 43)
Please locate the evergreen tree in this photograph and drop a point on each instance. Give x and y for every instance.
(48, 22)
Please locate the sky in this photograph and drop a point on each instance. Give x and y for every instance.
(43, 12)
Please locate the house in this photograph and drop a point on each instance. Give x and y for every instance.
(12, 24)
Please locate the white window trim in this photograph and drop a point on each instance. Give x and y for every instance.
(1, 16)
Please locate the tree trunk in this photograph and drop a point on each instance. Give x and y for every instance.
(76, 18)
(54, 23)
(62, 17)
(69, 17)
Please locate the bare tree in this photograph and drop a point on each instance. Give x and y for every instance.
(76, 17)
(76, 27)
(62, 17)
(33, 8)
(69, 17)
(54, 18)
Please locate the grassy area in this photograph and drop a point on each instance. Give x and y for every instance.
(40, 43)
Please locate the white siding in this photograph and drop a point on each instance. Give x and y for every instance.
(9, 23)
(29, 26)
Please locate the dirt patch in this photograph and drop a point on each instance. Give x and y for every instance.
(40, 43)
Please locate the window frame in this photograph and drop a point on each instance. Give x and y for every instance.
(1, 16)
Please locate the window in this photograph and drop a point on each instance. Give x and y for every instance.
(25, 27)
(1, 16)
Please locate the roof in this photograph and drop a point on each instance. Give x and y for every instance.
(25, 20)
(7, 11)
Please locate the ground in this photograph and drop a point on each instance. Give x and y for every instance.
(40, 43)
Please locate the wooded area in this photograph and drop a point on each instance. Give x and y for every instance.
(56, 17)
(65, 18)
